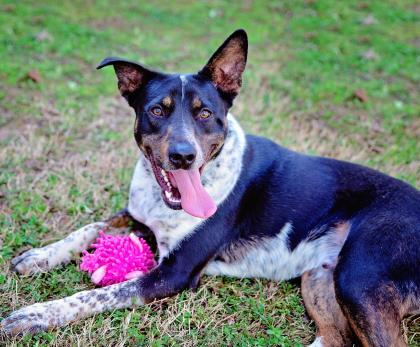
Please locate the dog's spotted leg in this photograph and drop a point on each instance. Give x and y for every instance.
(57, 253)
(61, 252)
(172, 276)
(178, 271)
(321, 304)
(56, 313)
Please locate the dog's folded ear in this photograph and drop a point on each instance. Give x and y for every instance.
(131, 76)
(227, 64)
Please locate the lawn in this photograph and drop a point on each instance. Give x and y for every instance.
(334, 78)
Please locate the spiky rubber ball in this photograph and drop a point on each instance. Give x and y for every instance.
(117, 259)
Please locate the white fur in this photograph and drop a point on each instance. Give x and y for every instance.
(55, 313)
(183, 79)
(57, 253)
(272, 258)
(218, 178)
(317, 342)
(183, 128)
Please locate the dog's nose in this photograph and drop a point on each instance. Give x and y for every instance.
(182, 155)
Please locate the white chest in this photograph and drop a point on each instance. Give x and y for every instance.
(146, 205)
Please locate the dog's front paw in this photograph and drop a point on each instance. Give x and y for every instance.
(29, 320)
(32, 261)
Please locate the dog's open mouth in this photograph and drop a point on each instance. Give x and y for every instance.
(182, 189)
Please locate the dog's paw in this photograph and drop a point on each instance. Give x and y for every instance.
(32, 261)
(28, 320)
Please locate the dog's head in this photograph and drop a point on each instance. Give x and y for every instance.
(181, 120)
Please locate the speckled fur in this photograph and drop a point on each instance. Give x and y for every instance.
(42, 316)
(318, 295)
(58, 253)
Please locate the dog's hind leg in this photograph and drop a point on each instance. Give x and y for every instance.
(373, 312)
(377, 278)
(61, 252)
(321, 304)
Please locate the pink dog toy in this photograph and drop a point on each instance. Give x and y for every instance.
(117, 259)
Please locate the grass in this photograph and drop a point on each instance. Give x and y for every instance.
(67, 152)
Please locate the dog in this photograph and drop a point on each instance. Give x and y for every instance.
(220, 202)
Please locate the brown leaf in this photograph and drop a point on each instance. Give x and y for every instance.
(8, 8)
(33, 164)
(360, 95)
(34, 76)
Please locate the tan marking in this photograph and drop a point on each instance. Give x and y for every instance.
(210, 143)
(167, 101)
(196, 102)
(410, 305)
(164, 149)
(163, 143)
(120, 220)
(342, 229)
(381, 312)
(322, 306)
(156, 143)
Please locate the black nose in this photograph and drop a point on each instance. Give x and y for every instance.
(182, 155)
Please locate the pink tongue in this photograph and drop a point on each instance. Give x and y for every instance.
(194, 199)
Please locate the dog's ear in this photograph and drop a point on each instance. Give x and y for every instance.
(131, 76)
(225, 67)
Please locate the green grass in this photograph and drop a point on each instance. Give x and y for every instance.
(67, 152)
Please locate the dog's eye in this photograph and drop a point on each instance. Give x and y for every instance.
(156, 111)
(204, 113)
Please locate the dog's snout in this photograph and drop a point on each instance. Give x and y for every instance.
(182, 155)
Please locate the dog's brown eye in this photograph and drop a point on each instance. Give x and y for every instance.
(204, 113)
(156, 111)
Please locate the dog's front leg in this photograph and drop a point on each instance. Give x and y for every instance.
(56, 313)
(163, 281)
(61, 252)
(179, 270)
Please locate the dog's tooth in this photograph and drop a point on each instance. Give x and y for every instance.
(165, 178)
(163, 172)
(168, 194)
(173, 199)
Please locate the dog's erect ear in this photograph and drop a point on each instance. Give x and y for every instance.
(227, 64)
(131, 76)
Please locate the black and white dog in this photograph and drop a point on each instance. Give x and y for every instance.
(221, 202)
